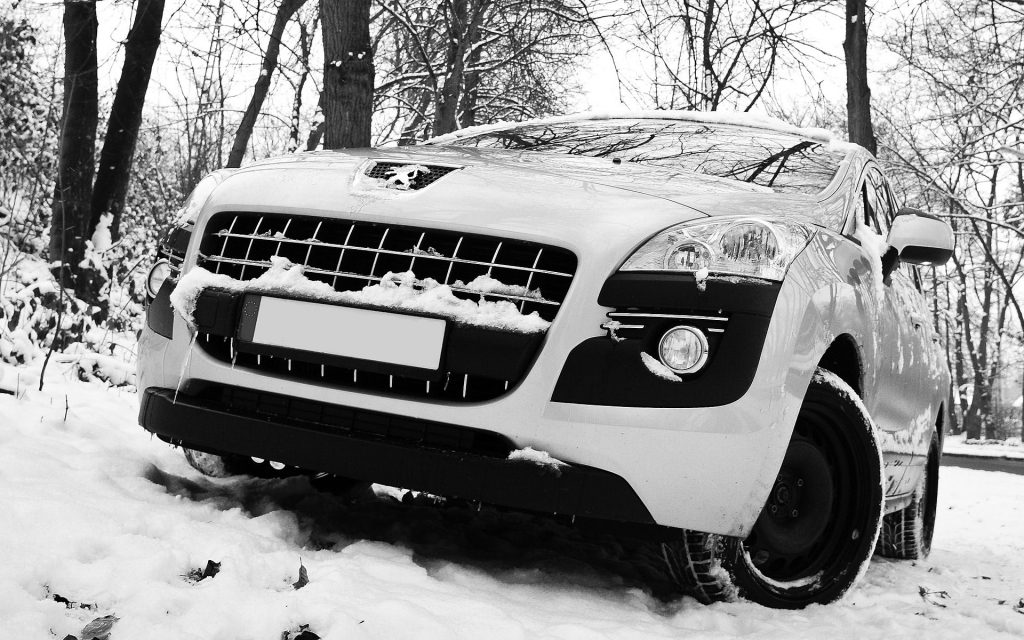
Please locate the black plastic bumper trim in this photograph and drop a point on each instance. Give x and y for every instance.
(159, 313)
(655, 290)
(608, 372)
(577, 490)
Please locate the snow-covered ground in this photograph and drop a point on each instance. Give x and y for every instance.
(959, 445)
(100, 519)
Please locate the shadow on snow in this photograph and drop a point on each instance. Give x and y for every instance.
(511, 547)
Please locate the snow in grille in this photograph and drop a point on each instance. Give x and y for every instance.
(351, 255)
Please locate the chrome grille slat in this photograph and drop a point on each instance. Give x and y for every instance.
(348, 247)
(249, 250)
(224, 246)
(529, 279)
(448, 274)
(312, 242)
(341, 255)
(376, 256)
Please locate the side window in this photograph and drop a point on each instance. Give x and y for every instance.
(877, 193)
(867, 206)
(918, 280)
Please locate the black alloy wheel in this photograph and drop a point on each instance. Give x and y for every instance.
(821, 520)
(818, 528)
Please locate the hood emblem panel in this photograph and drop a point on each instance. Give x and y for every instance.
(403, 176)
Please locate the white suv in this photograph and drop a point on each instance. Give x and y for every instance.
(702, 324)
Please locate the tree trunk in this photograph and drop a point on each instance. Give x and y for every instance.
(75, 164)
(114, 171)
(446, 112)
(858, 94)
(470, 92)
(348, 73)
(305, 40)
(259, 93)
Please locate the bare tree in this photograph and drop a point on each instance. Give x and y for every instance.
(462, 62)
(707, 54)
(959, 108)
(114, 171)
(285, 12)
(69, 225)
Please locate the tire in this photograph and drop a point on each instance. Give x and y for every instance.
(907, 533)
(695, 565)
(818, 529)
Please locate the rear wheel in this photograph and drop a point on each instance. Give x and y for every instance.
(907, 533)
(818, 528)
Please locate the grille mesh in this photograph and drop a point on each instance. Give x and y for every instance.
(350, 255)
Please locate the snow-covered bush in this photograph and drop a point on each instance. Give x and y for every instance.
(37, 315)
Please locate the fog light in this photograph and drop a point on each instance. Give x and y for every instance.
(157, 274)
(683, 349)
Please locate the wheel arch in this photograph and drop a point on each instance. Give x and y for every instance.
(844, 358)
(940, 424)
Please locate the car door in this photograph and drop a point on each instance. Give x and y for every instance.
(892, 388)
(919, 355)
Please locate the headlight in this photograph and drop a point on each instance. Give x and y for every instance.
(751, 247)
(194, 203)
(158, 273)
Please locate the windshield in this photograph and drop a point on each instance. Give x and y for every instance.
(778, 161)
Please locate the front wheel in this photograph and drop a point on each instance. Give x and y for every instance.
(818, 528)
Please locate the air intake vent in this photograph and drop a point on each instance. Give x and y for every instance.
(404, 175)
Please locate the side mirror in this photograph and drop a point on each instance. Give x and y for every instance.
(921, 238)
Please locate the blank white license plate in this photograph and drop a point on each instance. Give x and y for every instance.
(380, 336)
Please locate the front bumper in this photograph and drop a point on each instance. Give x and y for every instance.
(368, 445)
(707, 468)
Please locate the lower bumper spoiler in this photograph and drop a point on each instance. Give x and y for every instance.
(572, 490)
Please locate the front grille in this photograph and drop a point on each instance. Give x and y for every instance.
(360, 423)
(350, 255)
(427, 175)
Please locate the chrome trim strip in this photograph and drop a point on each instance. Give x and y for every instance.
(608, 326)
(618, 314)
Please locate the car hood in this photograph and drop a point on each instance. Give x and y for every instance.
(595, 207)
